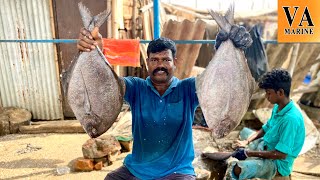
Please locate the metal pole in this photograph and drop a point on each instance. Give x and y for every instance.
(142, 41)
(156, 19)
(39, 41)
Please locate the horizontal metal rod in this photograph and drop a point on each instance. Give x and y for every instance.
(40, 41)
(205, 41)
(141, 41)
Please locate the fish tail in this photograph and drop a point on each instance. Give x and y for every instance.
(102, 17)
(85, 15)
(230, 14)
(224, 22)
(89, 21)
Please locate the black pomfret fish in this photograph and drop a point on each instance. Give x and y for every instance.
(94, 91)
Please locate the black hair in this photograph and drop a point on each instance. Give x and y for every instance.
(276, 79)
(161, 44)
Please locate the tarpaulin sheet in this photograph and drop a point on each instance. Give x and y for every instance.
(122, 52)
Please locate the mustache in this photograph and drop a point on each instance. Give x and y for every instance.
(160, 69)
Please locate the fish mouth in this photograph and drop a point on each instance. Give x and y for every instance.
(90, 123)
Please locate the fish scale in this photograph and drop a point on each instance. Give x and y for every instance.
(94, 91)
(225, 88)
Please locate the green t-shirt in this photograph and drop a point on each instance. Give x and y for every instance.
(285, 132)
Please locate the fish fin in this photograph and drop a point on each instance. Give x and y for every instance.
(223, 21)
(86, 100)
(102, 17)
(230, 14)
(85, 15)
(86, 104)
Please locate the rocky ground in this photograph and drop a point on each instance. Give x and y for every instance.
(53, 155)
(41, 156)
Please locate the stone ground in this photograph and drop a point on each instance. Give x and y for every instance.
(37, 156)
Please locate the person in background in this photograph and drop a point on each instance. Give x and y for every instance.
(162, 109)
(282, 136)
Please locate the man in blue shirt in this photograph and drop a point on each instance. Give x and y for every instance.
(162, 109)
(283, 134)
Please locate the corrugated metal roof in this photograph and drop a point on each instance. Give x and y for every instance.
(186, 53)
(28, 71)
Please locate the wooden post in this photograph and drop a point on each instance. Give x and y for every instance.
(114, 18)
(294, 57)
(115, 27)
(146, 26)
(120, 19)
(55, 59)
(117, 22)
(143, 50)
(1, 109)
(109, 23)
(133, 27)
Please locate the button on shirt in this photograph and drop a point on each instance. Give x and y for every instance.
(285, 132)
(161, 127)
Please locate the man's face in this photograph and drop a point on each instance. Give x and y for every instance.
(161, 66)
(272, 96)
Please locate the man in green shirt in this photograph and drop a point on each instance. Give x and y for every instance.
(283, 135)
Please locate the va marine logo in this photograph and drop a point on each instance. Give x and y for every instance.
(306, 18)
(298, 21)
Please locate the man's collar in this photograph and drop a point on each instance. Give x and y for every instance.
(285, 109)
